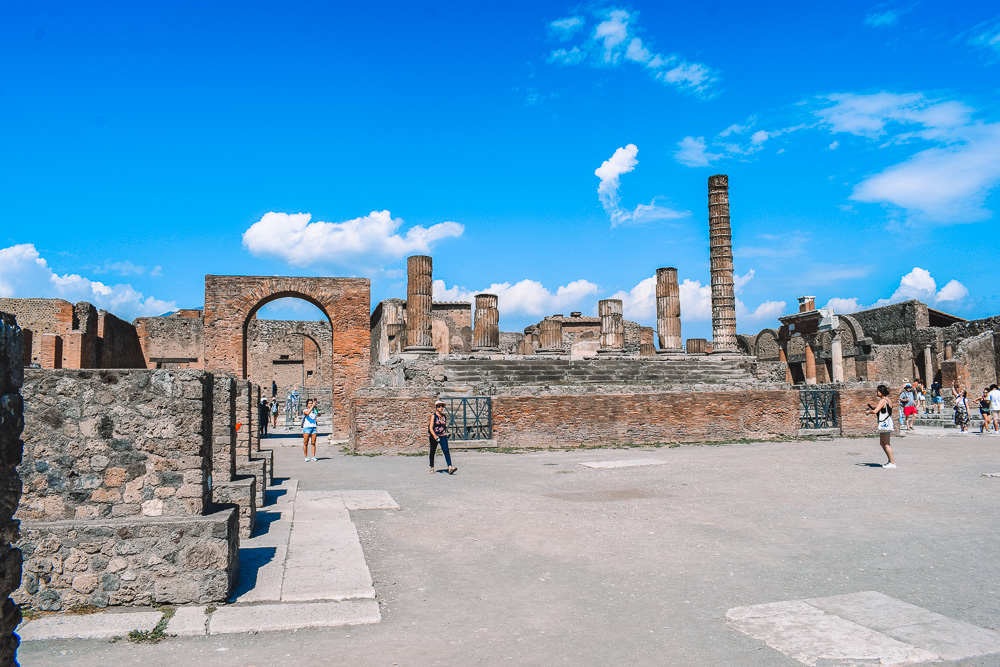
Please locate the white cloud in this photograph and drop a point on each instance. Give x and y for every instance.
(692, 152)
(867, 115)
(882, 19)
(987, 36)
(527, 297)
(24, 273)
(156, 272)
(639, 303)
(769, 310)
(610, 172)
(563, 29)
(834, 145)
(696, 300)
(293, 238)
(917, 284)
(735, 128)
(613, 41)
(947, 183)
(739, 282)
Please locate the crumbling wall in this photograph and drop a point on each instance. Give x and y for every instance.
(291, 353)
(510, 342)
(119, 343)
(977, 359)
(893, 365)
(11, 424)
(171, 342)
(894, 324)
(115, 443)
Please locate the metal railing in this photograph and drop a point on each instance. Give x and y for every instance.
(470, 418)
(817, 408)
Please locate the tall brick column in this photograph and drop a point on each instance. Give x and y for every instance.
(668, 310)
(612, 326)
(11, 424)
(549, 336)
(486, 334)
(419, 295)
(721, 256)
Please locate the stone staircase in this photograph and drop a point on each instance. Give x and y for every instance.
(663, 373)
(947, 420)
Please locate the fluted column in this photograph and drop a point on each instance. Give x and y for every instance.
(837, 357)
(721, 256)
(549, 336)
(486, 331)
(612, 327)
(668, 310)
(419, 296)
(647, 345)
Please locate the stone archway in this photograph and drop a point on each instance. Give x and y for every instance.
(231, 301)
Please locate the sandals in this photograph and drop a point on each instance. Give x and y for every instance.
(452, 470)
(433, 471)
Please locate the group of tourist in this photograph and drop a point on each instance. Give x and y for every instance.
(988, 405)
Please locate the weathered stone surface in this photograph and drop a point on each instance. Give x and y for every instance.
(721, 256)
(12, 357)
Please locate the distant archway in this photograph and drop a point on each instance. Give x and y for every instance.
(231, 302)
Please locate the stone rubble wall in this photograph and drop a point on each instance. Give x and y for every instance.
(178, 338)
(130, 561)
(115, 443)
(11, 424)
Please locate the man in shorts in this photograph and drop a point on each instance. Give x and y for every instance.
(994, 397)
(908, 404)
(937, 397)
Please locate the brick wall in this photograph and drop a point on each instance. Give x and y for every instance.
(11, 423)
(852, 403)
(171, 338)
(115, 443)
(119, 343)
(399, 424)
(231, 301)
(306, 347)
(223, 428)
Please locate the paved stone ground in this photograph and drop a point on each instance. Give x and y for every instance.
(534, 559)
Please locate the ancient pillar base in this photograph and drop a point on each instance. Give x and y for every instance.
(611, 352)
(420, 349)
(716, 352)
(550, 352)
(486, 350)
(672, 352)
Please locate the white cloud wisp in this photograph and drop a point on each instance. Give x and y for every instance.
(610, 172)
(917, 284)
(526, 297)
(24, 273)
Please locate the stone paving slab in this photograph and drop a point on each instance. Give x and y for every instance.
(89, 626)
(262, 570)
(188, 622)
(628, 463)
(272, 617)
(862, 627)
(369, 500)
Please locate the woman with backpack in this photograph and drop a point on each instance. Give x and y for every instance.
(883, 414)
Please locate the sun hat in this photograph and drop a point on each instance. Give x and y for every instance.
(439, 402)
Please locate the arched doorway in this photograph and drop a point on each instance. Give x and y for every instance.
(232, 301)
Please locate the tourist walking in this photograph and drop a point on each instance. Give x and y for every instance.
(437, 430)
(908, 404)
(937, 399)
(962, 411)
(274, 389)
(994, 397)
(310, 417)
(263, 417)
(918, 389)
(883, 415)
(984, 408)
(274, 412)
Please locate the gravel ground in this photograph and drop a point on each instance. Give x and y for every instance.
(533, 559)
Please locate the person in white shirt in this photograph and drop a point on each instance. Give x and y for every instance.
(994, 397)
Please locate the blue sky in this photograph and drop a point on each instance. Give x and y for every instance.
(555, 153)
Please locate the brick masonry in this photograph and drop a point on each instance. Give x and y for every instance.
(231, 301)
(11, 424)
(399, 424)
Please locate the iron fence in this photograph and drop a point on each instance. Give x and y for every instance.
(817, 408)
(469, 418)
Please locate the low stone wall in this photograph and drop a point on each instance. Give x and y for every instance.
(11, 423)
(241, 492)
(132, 561)
(101, 444)
(398, 424)
(852, 402)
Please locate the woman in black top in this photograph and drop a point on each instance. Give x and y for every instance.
(883, 413)
(437, 430)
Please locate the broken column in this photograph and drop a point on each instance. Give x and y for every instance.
(395, 325)
(612, 326)
(486, 331)
(668, 310)
(928, 365)
(549, 336)
(721, 256)
(810, 366)
(647, 344)
(419, 296)
(837, 356)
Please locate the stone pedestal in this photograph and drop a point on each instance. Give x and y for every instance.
(837, 357)
(419, 295)
(721, 256)
(668, 311)
(549, 337)
(697, 346)
(612, 327)
(486, 331)
(647, 346)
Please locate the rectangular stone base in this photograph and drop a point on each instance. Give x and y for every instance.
(134, 561)
(256, 468)
(241, 492)
(267, 455)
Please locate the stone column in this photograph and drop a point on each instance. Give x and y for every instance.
(549, 336)
(928, 366)
(721, 256)
(486, 333)
(647, 345)
(783, 357)
(612, 327)
(810, 362)
(395, 325)
(668, 310)
(837, 355)
(419, 295)
(697, 346)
